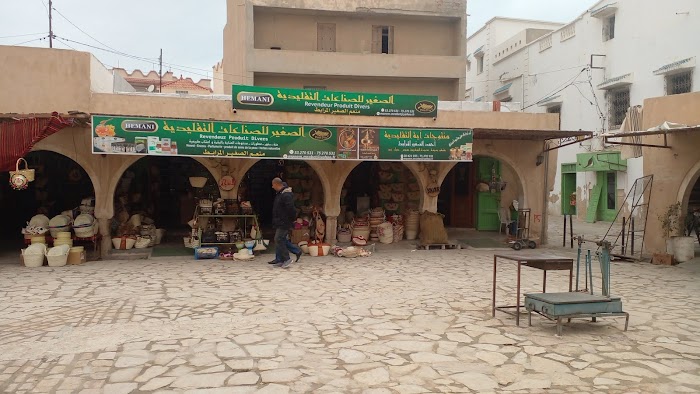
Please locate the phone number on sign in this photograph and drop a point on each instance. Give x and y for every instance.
(310, 154)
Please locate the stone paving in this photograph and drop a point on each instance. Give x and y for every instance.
(398, 322)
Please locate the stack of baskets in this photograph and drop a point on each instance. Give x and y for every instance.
(412, 224)
(85, 226)
(87, 205)
(63, 238)
(58, 224)
(376, 217)
(398, 227)
(360, 231)
(385, 231)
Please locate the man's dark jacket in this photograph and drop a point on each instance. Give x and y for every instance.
(283, 211)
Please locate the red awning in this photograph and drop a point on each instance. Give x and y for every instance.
(18, 136)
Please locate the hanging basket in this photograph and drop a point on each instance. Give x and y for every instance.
(19, 179)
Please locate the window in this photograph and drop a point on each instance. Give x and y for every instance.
(618, 104)
(679, 83)
(383, 39)
(311, 87)
(326, 37)
(609, 28)
(611, 178)
(479, 65)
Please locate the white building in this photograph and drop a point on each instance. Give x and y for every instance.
(591, 71)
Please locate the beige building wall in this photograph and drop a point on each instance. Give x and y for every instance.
(298, 32)
(675, 170)
(429, 40)
(444, 89)
(66, 75)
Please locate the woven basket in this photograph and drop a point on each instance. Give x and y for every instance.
(142, 242)
(344, 236)
(58, 256)
(26, 171)
(84, 226)
(33, 256)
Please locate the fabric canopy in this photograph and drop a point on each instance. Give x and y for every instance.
(18, 137)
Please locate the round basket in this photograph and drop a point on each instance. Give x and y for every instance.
(198, 181)
(411, 234)
(33, 256)
(59, 224)
(344, 236)
(38, 239)
(123, 243)
(39, 221)
(385, 231)
(398, 233)
(359, 240)
(58, 255)
(142, 242)
(84, 226)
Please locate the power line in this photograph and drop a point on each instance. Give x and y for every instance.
(23, 35)
(558, 90)
(32, 40)
(81, 30)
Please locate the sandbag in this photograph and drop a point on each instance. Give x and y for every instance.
(432, 229)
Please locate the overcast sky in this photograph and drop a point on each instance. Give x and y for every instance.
(189, 34)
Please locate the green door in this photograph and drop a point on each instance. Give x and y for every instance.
(607, 206)
(487, 203)
(568, 187)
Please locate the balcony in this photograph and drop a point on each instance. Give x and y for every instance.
(356, 64)
(546, 43)
(568, 32)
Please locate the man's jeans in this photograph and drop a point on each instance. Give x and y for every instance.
(281, 245)
(294, 249)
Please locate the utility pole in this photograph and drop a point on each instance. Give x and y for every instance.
(160, 73)
(50, 24)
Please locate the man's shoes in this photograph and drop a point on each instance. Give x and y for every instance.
(286, 264)
(298, 256)
(273, 262)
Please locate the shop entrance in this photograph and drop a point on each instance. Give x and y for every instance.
(457, 196)
(389, 186)
(159, 189)
(60, 185)
(256, 187)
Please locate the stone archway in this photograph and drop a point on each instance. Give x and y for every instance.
(692, 178)
(61, 184)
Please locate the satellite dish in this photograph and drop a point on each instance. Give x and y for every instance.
(151, 88)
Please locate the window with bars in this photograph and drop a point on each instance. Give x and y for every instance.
(618, 104)
(479, 64)
(679, 83)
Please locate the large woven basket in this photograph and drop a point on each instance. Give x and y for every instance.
(85, 226)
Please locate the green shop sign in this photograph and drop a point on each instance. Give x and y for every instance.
(334, 103)
(178, 137)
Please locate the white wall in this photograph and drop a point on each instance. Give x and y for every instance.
(648, 35)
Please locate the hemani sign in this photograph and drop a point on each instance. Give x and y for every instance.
(333, 103)
(184, 137)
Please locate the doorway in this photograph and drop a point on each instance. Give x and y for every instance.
(456, 200)
(488, 203)
(607, 208)
(568, 192)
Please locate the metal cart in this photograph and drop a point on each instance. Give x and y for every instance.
(522, 234)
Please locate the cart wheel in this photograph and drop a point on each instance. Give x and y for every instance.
(517, 246)
(532, 245)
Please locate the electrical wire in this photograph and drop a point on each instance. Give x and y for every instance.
(32, 40)
(81, 30)
(558, 90)
(25, 35)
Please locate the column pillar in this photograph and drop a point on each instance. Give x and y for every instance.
(106, 242)
(331, 229)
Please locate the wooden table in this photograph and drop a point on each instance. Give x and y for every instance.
(538, 260)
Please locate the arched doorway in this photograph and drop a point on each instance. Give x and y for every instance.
(690, 199)
(474, 194)
(388, 185)
(159, 189)
(256, 187)
(60, 185)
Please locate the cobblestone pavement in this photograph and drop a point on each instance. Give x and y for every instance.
(398, 322)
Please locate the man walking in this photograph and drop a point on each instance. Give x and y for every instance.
(283, 215)
(290, 246)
